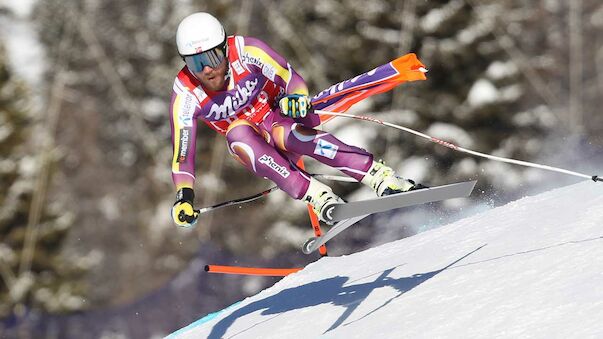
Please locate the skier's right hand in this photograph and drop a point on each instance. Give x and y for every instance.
(295, 105)
(183, 213)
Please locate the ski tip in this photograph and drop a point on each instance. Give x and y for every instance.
(206, 268)
(307, 247)
(596, 178)
(473, 183)
(469, 185)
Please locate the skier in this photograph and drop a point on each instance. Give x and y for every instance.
(250, 94)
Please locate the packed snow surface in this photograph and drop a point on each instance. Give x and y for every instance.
(532, 268)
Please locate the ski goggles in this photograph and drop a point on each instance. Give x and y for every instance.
(211, 58)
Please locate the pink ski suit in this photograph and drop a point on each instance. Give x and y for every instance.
(247, 113)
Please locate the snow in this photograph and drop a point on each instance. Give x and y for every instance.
(434, 19)
(415, 167)
(470, 34)
(539, 116)
(531, 268)
(7, 254)
(21, 8)
(499, 70)
(451, 133)
(356, 135)
(482, 92)
(5, 130)
(26, 54)
(286, 233)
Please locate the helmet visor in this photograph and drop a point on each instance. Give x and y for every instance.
(211, 58)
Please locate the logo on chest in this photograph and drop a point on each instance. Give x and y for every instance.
(233, 102)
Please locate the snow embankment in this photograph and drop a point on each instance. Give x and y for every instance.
(532, 268)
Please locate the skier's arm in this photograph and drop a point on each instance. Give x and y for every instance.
(184, 127)
(264, 59)
(296, 103)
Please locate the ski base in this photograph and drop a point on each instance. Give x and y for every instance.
(314, 243)
(350, 213)
(389, 202)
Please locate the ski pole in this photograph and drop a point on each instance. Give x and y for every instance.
(594, 178)
(266, 192)
(237, 201)
(258, 271)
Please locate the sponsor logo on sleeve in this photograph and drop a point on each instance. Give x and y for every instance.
(268, 72)
(237, 67)
(251, 60)
(187, 111)
(185, 135)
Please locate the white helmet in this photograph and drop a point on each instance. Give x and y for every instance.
(199, 32)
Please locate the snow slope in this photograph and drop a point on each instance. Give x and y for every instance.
(532, 268)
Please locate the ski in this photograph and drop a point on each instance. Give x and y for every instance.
(353, 212)
(337, 212)
(313, 243)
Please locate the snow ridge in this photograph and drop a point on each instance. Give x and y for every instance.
(531, 268)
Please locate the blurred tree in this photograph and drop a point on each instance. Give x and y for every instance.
(115, 167)
(36, 275)
(497, 84)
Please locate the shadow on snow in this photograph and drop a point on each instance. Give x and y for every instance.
(327, 291)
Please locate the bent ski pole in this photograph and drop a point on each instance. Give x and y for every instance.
(595, 178)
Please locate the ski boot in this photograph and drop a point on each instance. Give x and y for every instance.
(384, 180)
(322, 199)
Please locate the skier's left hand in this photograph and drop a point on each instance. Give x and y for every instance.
(295, 105)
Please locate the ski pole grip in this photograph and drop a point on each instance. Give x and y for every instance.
(596, 178)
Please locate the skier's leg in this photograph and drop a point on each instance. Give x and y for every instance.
(322, 146)
(263, 159)
(247, 146)
(353, 161)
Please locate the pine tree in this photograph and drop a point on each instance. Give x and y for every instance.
(476, 95)
(44, 279)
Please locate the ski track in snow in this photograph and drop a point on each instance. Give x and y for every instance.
(531, 268)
